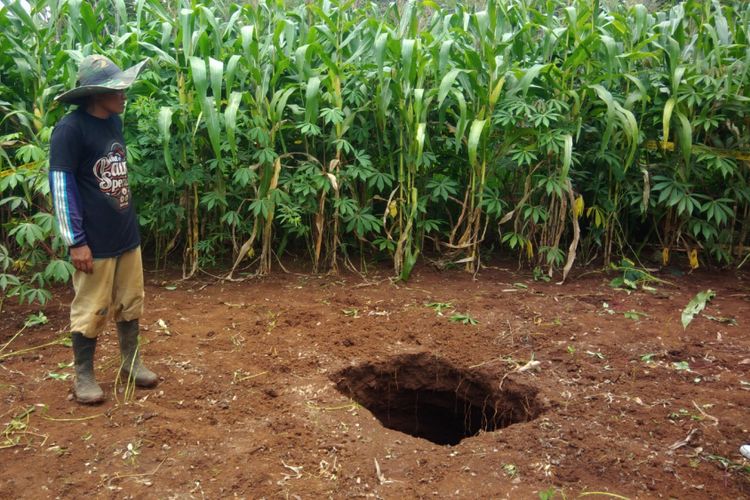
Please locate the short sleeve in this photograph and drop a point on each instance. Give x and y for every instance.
(64, 148)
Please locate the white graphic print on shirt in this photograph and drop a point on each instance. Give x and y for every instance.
(112, 173)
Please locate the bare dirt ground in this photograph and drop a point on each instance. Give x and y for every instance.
(298, 386)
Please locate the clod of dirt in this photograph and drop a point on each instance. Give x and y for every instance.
(427, 397)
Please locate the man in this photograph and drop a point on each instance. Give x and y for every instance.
(96, 219)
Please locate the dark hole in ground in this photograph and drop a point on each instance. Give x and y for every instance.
(427, 397)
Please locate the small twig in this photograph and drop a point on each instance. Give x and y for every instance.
(125, 476)
(715, 420)
(251, 376)
(532, 364)
(81, 419)
(350, 406)
(686, 441)
(30, 349)
(297, 469)
(368, 283)
(500, 358)
(13, 338)
(380, 476)
(603, 493)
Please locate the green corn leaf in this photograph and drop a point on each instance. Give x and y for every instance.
(447, 84)
(290, 36)
(312, 96)
(722, 27)
(419, 104)
(249, 45)
(208, 105)
(302, 61)
(323, 14)
(638, 83)
(407, 58)
(165, 122)
(166, 35)
(138, 11)
(582, 52)
(627, 121)
(572, 14)
(679, 73)
(231, 72)
(611, 51)
(640, 13)
(475, 135)
(156, 8)
(686, 137)
(74, 13)
(408, 20)
(163, 56)
(528, 77)
(567, 156)
(482, 21)
(122, 12)
(630, 126)
(216, 69)
(667, 117)
(124, 38)
(333, 68)
(605, 96)
(89, 17)
(23, 14)
(278, 33)
(420, 140)
(186, 32)
(208, 15)
(230, 119)
(229, 27)
(463, 120)
(278, 103)
(200, 76)
(356, 57)
(495, 95)
(673, 52)
(379, 53)
(445, 49)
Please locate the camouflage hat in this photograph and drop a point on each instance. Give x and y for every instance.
(99, 75)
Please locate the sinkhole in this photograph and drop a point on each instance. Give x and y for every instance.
(429, 398)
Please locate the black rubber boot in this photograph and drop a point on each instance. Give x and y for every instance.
(85, 388)
(127, 333)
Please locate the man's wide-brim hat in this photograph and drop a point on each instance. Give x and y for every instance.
(99, 75)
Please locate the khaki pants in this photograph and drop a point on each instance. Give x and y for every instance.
(115, 286)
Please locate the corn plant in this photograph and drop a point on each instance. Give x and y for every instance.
(342, 132)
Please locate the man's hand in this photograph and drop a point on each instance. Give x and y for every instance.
(82, 259)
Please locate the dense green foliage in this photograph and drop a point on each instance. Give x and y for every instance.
(347, 131)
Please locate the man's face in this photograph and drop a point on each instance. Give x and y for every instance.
(113, 102)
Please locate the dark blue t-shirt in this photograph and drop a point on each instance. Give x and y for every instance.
(93, 150)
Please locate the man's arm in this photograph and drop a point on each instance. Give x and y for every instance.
(67, 203)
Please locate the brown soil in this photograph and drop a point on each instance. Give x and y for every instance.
(299, 386)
